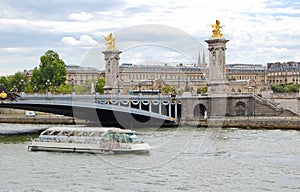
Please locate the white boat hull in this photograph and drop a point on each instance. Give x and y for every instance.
(88, 148)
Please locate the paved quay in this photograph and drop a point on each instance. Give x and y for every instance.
(39, 119)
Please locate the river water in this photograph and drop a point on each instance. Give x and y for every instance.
(183, 159)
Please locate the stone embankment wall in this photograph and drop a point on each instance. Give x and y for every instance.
(251, 122)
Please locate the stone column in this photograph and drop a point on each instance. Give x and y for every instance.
(111, 58)
(217, 81)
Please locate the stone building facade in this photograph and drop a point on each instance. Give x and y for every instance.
(150, 77)
(79, 75)
(283, 73)
(76, 73)
(243, 77)
(154, 77)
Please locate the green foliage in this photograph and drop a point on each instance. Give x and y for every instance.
(3, 81)
(82, 88)
(287, 88)
(28, 88)
(231, 79)
(64, 89)
(100, 86)
(168, 90)
(52, 68)
(18, 80)
(277, 88)
(202, 90)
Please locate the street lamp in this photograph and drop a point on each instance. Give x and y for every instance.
(118, 84)
(48, 84)
(72, 83)
(14, 89)
(54, 89)
(35, 89)
(22, 83)
(96, 86)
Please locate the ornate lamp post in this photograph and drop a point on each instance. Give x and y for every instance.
(96, 87)
(54, 89)
(35, 89)
(48, 84)
(14, 89)
(72, 83)
(118, 84)
(22, 83)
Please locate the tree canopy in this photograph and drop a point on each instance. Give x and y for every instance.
(100, 85)
(51, 68)
(285, 88)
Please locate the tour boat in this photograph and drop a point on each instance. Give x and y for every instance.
(89, 139)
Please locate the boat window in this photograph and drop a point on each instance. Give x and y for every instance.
(125, 138)
(105, 136)
(46, 133)
(97, 134)
(133, 138)
(55, 133)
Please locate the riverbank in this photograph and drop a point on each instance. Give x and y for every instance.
(39, 119)
(247, 122)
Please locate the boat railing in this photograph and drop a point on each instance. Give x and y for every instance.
(85, 140)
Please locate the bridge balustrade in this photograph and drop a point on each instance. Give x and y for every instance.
(162, 104)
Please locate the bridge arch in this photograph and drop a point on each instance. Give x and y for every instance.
(199, 110)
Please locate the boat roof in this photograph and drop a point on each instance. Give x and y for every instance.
(91, 129)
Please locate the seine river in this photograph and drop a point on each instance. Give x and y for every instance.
(183, 159)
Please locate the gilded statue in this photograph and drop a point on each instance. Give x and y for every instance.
(216, 30)
(110, 42)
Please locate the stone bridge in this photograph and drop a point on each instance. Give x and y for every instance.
(130, 111)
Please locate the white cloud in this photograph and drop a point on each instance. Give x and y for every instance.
(259, 31)
(81, 16)
(84, 41)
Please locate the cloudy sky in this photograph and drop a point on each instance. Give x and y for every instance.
(259, 31)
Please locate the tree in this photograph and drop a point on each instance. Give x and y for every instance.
(3, 81)
(291, 88)
(100, 85)
(18, 81)
(287, 88)
(277, 88)
(64, 89)
(52, 68)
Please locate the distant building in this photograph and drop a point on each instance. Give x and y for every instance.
(76, 73)
(81, 74)
(283, 73)
(154, 77)
(243, 77)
